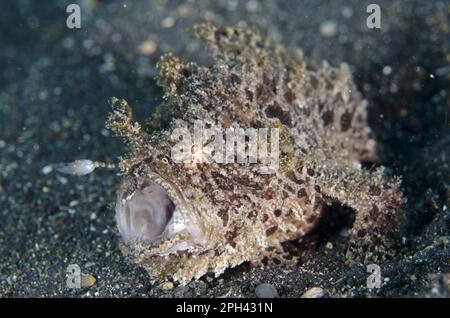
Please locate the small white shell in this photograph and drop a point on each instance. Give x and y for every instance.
(314, 292)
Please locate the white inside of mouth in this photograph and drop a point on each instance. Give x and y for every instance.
(148, 214)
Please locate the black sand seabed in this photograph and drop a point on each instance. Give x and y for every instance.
(54, 87)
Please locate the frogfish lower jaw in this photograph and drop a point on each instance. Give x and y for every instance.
(150, 217)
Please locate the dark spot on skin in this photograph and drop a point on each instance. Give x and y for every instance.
(236, 80)
(339, 97)
(275, 111)
(236, 197)
(373, 215)
(203, 252)
(276, 261)
(269, 194)
(277, 212)
(301, 193)
(317, 188)
(288, 247)
(320, 106)
(220, 33)
(185, 72)
(183, 254)
(222, 182)
(259, 91)
(365, 248)
(346, 121)
(289, 96)
(289, 188)
(252, 215)
(291, 175)
(245, 181)
(389, 216)
(375, 209)
(374, 190)
(271, 230)
(374, 212)
(249, 95)
(328, 117)
(310, 172)
(230, 236)
(359, 119)
(265, 260)
(361, 233)
(265, 217)
(314, 82)
(270, 82)
(223, 214)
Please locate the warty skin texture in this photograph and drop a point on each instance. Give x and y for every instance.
(237, 213)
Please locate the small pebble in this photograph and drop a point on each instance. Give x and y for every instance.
(347, 12)
(47, 169)
(184, 10)
(315, 292)
(328, 29)
(252, 6)
(148, 47)
(167, 286)
(168, 22)
(387, 70)
(266, 291)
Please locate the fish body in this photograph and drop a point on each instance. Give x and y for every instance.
(185, 219)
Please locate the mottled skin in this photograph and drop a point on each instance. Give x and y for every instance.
(246, 215)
